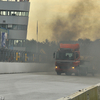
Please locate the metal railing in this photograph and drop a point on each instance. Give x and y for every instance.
(7, 55)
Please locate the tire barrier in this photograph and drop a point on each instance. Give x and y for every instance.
(90, 93)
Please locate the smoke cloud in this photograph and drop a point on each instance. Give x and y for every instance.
(82, 21)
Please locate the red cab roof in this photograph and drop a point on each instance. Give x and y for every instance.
(71, 46)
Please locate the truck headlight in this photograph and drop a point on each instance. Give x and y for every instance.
(73, 67)
(56, 67)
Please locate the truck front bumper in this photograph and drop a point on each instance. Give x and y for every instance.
(71, 70)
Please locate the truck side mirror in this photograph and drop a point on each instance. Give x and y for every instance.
(54, 55)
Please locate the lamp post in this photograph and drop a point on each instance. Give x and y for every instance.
(37, 39)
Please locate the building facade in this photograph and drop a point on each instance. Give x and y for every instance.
(14, 15)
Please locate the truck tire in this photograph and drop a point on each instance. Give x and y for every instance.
(58, 73)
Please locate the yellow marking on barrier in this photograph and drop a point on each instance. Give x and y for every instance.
(42, 51)
(26, 57)
(17, 56)
(34, 57)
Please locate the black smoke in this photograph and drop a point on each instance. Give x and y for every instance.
(80, 22)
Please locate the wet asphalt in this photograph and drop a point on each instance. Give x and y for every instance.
(42, 85)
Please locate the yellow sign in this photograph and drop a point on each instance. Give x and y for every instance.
(17, 56)
(42, 51)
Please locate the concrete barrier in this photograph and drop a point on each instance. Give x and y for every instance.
(90, 93)
(12, 67)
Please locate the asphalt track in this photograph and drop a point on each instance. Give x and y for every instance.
(42, 85)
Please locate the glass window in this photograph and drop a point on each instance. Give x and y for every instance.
(20, 13)
(64, 56)
(15, 43)
(9, 13)
(19, 27)
(23, 13)
(24, 27)
(1, 12)
(15, 27)
(10, 43)
(18, 43)
(23, 44)
(69, 54)
(26, 13)
(4, 26)
(14, 13)
(9, 26)
(5, 13)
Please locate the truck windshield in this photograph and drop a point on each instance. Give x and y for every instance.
(65, 56)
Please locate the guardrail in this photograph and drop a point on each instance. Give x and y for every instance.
(90, 93)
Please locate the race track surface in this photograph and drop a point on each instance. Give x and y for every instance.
(42, 85)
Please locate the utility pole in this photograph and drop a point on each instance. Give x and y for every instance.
(37, 39)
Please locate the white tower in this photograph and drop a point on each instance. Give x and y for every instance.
(14, 17)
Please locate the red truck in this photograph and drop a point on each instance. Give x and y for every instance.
(67, 60)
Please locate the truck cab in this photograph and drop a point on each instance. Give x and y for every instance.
(67, 59)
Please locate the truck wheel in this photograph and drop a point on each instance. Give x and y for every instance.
(58, 73)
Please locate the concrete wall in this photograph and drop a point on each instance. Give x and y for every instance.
(19, 48)
(7, 67)
(21, 20)
(23, 6)
(17, 34)
(90, 93)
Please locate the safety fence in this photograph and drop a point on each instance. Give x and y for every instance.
(90, 93)
(7, 55)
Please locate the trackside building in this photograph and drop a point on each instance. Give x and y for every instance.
(14, 18)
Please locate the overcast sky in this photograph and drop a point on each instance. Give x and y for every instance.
(46, 11)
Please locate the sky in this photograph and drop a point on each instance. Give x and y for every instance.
(45, 11)
(49, 13)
